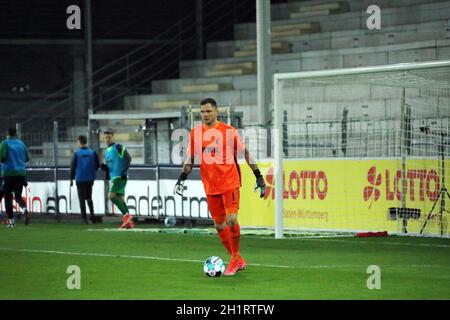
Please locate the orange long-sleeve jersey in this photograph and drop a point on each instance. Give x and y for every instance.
(217, 149)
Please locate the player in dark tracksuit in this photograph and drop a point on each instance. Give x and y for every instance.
(14, 156)
(83, 169)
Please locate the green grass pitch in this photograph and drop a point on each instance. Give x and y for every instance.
(142, 265)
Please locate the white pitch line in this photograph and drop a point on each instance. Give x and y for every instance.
(98, 255)
(135, 257)
(200, 261)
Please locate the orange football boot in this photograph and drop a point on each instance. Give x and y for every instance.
(130, 225)
(240, 263)
(232, 268)
(126, 221)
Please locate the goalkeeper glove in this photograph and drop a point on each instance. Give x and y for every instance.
(179, 186)
(124, 175)
(260, 183)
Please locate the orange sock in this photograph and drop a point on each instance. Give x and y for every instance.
(225, 238)
(235, 232)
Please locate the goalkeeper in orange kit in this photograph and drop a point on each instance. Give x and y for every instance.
(216, 146)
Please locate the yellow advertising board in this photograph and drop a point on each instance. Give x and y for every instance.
(346, 194)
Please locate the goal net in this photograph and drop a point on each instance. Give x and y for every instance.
(363, 150)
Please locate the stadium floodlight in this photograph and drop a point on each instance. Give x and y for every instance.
(362, 125)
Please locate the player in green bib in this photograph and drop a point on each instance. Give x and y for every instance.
(117, 161)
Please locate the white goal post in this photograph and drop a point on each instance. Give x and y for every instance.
(382, 133)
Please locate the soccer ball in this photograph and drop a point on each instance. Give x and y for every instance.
(214, 267)
(170, 222)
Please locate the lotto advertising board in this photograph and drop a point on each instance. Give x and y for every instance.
(345, 194)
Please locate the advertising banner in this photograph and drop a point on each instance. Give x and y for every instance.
(345, 194)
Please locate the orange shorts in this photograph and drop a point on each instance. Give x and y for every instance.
(222, 204)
